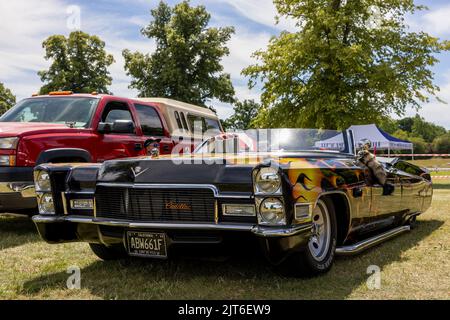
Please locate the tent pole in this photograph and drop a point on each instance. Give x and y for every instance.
(412, 152)
(389, 151)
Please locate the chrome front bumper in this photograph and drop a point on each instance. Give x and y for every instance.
(266, 232)
(25, 189)
(17, 197)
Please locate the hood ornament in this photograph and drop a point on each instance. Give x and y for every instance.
(152, 147)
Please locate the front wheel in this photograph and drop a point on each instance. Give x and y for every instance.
(318, 256)
(115, 252)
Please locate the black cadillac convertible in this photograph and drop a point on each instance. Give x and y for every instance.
(303, 203)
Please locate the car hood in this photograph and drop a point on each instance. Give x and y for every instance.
(218, 170)
(12, 129)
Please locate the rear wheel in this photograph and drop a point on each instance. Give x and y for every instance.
(115, 252)
(318, 256)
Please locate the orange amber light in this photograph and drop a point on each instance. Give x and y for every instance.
(60, 93)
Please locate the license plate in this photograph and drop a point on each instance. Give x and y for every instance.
(146, 244)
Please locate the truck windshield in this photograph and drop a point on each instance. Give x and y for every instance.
(76, 112)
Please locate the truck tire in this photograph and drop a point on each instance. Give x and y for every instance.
(115, 252)
(318, 256)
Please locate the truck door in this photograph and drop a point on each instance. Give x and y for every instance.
(118, 145)
(152, 126)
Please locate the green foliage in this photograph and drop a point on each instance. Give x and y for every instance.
(7, 99)
(244, 113)
(427, 130)
(187, 62)
(420, 145)
(79, 64)
(442, 144)
(351, 62)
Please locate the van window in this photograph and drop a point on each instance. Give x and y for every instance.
(177, 117)
(185, 126)
(212, 124)
(196, 122)
(150, 122)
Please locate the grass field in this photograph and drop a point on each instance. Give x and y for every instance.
(432, 163)
(415, 265)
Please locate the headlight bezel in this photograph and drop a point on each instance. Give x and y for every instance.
(267, 175)
(8, 143)
(44, 193)
(279, 212)
(46, 203)
(38, 181)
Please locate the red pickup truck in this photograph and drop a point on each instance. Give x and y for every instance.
(66, 127)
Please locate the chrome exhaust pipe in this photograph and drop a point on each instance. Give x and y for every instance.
(370, 242)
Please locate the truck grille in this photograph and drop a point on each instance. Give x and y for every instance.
(155, 205)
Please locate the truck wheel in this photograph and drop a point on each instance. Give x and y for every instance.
(318, 256)
(115, 252)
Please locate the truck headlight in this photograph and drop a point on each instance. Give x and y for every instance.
(271, 212)
(8, 143)
(45, 203)
(267, 180)
(7, 160)
(42, 181)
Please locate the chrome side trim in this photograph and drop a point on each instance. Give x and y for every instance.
(213, 188)
(366, 244)
(143, 225)
(269, 232)
(64, 203)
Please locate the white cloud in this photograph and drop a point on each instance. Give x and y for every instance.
(437, 21)
(436, 111)
(261, 11)
(434, 21)
(24, 24)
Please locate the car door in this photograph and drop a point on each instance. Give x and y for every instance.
(118, 145)
(152, 125)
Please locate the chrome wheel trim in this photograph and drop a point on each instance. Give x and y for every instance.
(319, 243)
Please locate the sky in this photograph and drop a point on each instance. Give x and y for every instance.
(26, 23)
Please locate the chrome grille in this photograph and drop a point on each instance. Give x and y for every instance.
(155, 205)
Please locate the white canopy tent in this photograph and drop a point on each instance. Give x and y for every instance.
(380, 140)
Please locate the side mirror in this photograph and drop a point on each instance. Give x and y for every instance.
(118, 126)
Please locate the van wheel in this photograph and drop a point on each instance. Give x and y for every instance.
(115, 252)
(318, 256)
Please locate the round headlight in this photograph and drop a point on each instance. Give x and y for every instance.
(45, 203)
(272, 211)
(267, 180)
(42, 181)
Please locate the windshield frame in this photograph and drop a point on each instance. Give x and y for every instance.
(347, 139)
(85, 126)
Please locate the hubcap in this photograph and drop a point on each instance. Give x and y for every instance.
(320, 240)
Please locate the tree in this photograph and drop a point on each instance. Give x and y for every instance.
(187, 62)
(350, 62)
(420, 145)
(79, 64)
(442, 144)
(7, 99)
(427, 130)
(244, 113)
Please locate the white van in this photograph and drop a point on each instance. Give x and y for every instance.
(181, 118)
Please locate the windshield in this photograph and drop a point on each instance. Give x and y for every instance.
(275, 140)
(62, 110)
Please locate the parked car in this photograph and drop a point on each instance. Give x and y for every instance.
(303, 204)
(66, 127)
